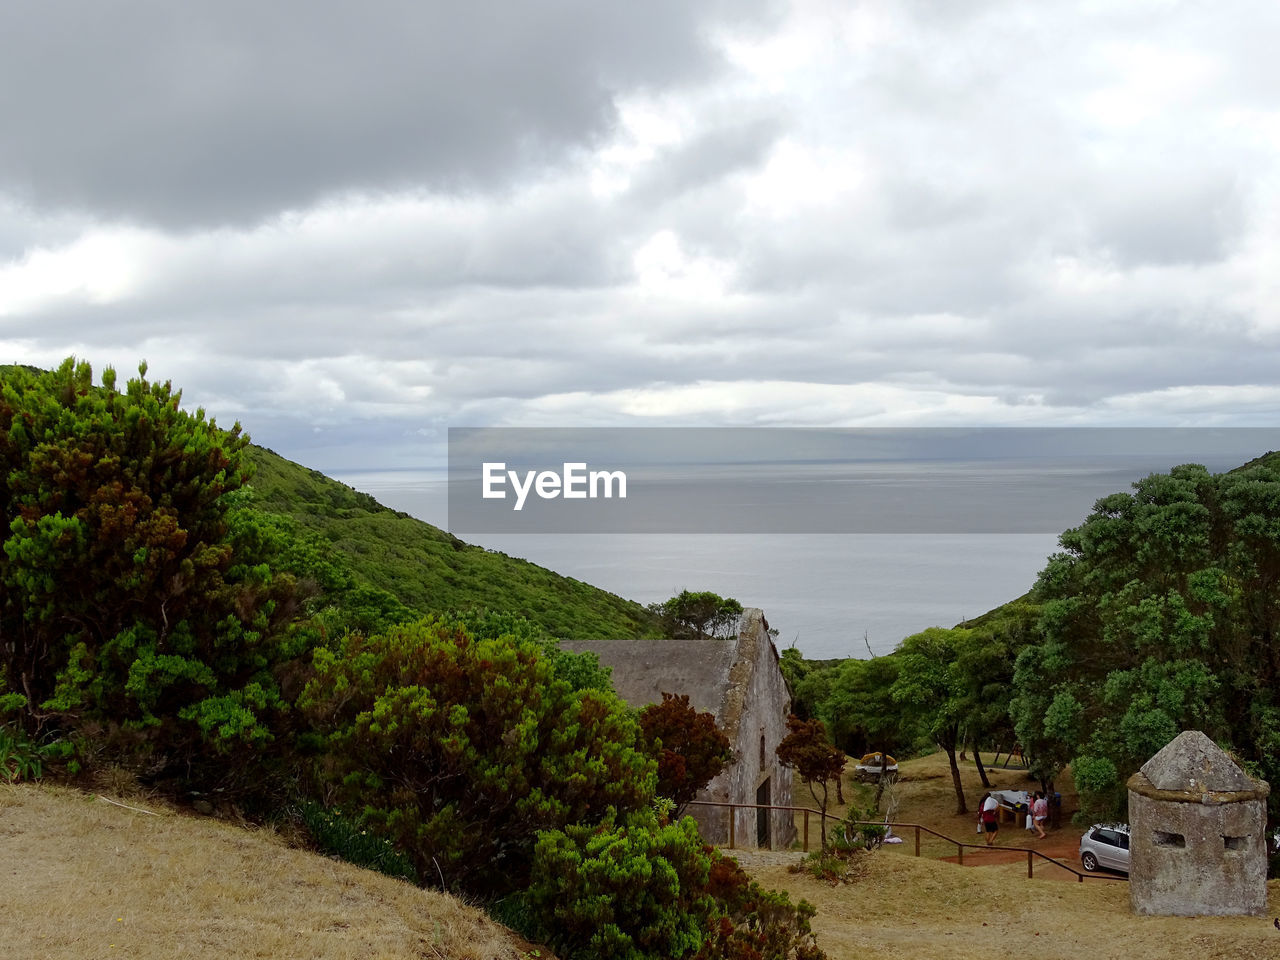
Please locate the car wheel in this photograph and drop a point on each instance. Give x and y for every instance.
(1089, 861)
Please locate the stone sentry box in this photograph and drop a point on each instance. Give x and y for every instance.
(1197, 827)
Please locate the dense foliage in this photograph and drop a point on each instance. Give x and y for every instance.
(460, 750)
(698, 615)
(637, 890)
(132, 606)
(390, 558)
(691, 749)
(1161, 614)
(630, 891)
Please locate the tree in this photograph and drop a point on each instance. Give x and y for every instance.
(690, 748)
(807, 750)
(130, 604)
(698, 616)
(461, 750)
(859, 710)
(930, 689)
(1161, 613)
(984, 672)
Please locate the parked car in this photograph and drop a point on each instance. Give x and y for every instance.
(1105, 845)
(868, 768)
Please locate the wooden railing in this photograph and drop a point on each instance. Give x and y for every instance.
(960, 845)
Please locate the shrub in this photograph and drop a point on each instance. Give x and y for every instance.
(460, 750)
(755, 923)
(129, 609)
(690, 748)
(629, 891)
(641, 890)
(22, 758)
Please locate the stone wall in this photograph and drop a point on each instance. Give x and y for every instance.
(737, 680)
(754, 715)
(1197, 833)
(1191, 860)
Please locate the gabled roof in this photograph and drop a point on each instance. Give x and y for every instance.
(714, 674)
(1191, 762)
(643, 670)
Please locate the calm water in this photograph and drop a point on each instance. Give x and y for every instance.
(824, 593)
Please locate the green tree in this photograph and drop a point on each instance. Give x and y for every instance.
(130, 605)
(859, 710)
(698, 616)
(807, 750)
(931, 690)
(984, 672)
(461, 750)
(690, 748)
(636, 889)
(1160, 614)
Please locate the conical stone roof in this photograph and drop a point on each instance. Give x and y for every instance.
(1193, 763)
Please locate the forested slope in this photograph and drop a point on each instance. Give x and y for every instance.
(428, 569)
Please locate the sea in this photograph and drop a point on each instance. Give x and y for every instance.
(846, 594)
(828, 595)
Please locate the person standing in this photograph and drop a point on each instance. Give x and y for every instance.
(990, 817)
(1040, 813)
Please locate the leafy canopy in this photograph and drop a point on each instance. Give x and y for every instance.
(1161, 614)
(698, 616)
(460, 750)
(133, 600)
(690, 748)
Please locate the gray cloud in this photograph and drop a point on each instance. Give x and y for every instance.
(231, 111)
(901, 213)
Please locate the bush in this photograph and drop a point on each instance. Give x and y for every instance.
(22, 758)
(641, 890)
(629, 891)
(130, 611)
(460, 750)
(690, 748)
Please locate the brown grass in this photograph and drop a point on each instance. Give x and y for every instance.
(82, 878)
(928, 909)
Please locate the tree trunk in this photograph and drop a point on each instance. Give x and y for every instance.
(982, 771)
(822, 810)
(882, 780)
(961, 806)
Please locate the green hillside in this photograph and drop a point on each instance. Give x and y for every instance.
(428, 569)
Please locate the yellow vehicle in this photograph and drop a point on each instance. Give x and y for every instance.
(869, 766)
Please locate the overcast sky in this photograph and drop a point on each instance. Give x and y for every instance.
(351, 226)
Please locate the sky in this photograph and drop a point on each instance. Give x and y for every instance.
(352, 226)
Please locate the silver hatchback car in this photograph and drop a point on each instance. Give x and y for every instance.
(1105, 845)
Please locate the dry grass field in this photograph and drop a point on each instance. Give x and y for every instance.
(81, 878)
(931, 909)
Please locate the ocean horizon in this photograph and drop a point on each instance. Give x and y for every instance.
(829, 595)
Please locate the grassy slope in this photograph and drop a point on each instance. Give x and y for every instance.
(928, 909)
(431, 570)
(84, 878)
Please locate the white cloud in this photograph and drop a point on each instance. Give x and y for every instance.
(886, 213)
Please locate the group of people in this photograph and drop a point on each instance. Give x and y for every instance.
(989, 815)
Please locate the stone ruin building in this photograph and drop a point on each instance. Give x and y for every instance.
(738, 680)
(1197, 826)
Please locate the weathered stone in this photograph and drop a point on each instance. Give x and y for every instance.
(1191, 761)
(737, 680)
(1197, 826)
